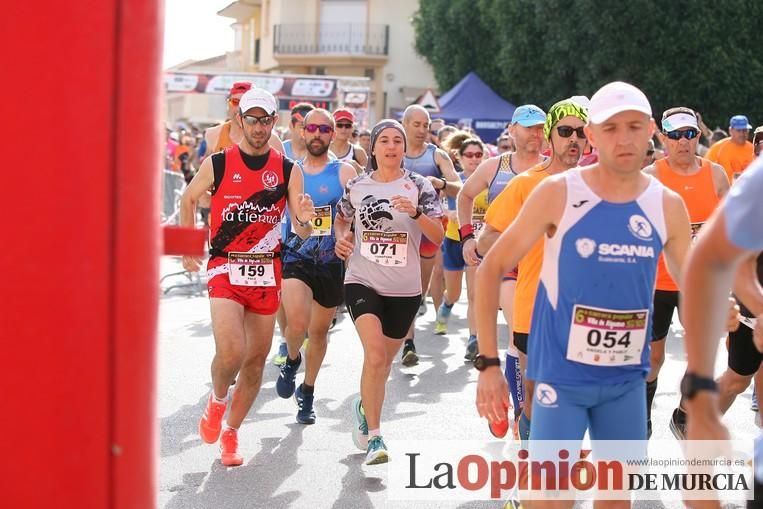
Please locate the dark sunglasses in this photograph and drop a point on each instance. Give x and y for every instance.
(472, 155)
(252, 120)
(344, 126)
(689, 134)
(504, 147)
(433, 133)
(650, 153)
(566, 131)
(323, 128)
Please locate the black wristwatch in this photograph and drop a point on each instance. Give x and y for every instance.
(419, 211)
(691, 384)
(481, 363)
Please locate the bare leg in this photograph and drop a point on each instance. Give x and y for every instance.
(230, 341)
(378, 353)
(259, 336)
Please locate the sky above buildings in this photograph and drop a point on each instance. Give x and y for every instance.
(194, 31)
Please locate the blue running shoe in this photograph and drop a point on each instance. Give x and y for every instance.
(471, 348)
(377, 451)
(305, 412)
(360, 426)
(285, 383)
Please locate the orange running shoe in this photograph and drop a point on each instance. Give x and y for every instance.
(212, 420)
(229, 455)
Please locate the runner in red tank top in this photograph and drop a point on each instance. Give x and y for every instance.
(252, 184)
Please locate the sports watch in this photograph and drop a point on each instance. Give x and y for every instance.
(419, 211)
(691, 384)
(481, 363)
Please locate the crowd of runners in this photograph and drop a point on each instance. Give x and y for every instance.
(581, 229)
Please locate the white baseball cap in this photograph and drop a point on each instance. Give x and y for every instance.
(614, 98)
(258, 98)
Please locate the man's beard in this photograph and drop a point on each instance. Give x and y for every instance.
(317, 150)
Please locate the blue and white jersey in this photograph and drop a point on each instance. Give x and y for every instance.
(425, 164)
(593, 311)
(326, 190)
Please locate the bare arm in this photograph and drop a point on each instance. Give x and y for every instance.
(487, 238)
(535, 219)
(474, 185)
(301, 209)
(453, 182)
(361, 155)
(203, 180)
(708, 276)
(212, 135)
(720, 180)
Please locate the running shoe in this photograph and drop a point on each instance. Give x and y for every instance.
(279, 359)
(285, 383)
(440, 328)
(212, 420)
(305, 412)
(678, 424)
(443, 313)
(472, 348)
(229, 455)
(360, 428)
(377, 451)
(409, 357)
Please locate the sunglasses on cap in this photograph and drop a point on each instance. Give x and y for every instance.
(689, 134)
(343, 125)
(323, 128)
(252, 120)
(472, 155)
(566, 131)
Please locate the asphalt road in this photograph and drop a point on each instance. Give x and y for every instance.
(292, 465)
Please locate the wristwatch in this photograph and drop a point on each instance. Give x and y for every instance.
(419, 211)
(481, 363)
(691, 384)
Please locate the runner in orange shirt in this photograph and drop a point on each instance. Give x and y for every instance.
(701, 184)
(735, 152)
(564, 132)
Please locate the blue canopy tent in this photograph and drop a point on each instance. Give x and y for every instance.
(471, 102)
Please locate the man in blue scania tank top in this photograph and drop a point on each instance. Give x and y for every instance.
(605, 226)
(313, 276)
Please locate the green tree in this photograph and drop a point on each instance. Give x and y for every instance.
(701, 54)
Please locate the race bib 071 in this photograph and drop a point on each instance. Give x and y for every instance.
(385, 248)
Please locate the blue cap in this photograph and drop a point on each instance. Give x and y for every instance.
(739, 122)
(528, 115)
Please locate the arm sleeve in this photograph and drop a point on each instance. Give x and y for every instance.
(743, 210)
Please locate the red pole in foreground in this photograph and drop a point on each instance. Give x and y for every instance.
(78, 312)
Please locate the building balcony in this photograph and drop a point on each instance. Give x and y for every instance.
(331, 42)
